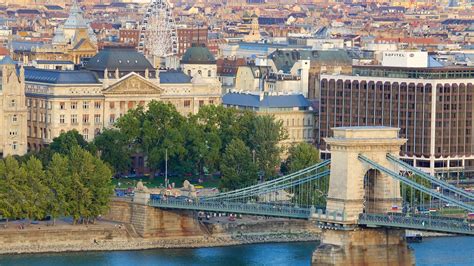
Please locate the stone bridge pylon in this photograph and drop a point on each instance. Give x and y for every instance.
(354, 187)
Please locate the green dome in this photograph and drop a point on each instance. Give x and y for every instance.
(198, 55)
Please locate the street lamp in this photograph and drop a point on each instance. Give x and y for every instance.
(166, 168)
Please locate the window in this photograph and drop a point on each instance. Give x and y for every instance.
(74, 105)
(187, 103)
(48, 119)
(199, 72)
(13, 133)
(15, 145)
(62, 119)
(209, 73)
(97, 119)
(211, 101)
(97, 105)
(85, 105)
(201, 103)
(112, 118)
(62, 105)
(189, 72)
(14, 118)
(73, 119)
(85, 133)
(50, 105)
(12, 103)
(112, 105)
(85, 119)
(28, 102)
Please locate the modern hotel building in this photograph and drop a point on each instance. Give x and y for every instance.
(432, 105)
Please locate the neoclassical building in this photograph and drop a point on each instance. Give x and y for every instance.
(199, 61)
(114, 81)
(13, 139)
(294, 111)
(72, 41)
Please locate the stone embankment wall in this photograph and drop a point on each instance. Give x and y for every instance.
(59, 238)
(132, 226)
(153, 222)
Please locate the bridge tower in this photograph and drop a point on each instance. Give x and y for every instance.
(354, 188)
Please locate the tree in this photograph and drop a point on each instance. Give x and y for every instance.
(300, 156)
(237, 167)
(66, 141)
(266, 133)
(36, 192)
(90, 185)
(114, 149)
(154, 132)
(15, 189)
(58, 180)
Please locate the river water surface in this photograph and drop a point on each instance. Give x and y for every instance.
(432, 251)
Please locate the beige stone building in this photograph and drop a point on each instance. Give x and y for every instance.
(72, 41)
(93, 99)
(12, 109)
(294, 111)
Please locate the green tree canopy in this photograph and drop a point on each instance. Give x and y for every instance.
(114, 149)
(238, 168)
(300, 156)
(264, 138)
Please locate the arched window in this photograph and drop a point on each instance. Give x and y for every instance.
(189, 72)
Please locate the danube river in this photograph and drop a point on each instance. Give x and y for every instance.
(432, 251)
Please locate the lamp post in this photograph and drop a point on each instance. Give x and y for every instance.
(166, 168)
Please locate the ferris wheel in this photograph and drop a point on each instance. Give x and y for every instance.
(158, 35)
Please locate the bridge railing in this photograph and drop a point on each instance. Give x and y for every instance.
(420, 222)
(253, 208)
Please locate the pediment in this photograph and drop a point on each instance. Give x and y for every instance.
(133, 84)
(84, 45)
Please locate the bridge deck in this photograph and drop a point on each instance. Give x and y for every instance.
(419, 222)
(236, 207)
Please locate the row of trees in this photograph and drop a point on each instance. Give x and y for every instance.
(65, 179)
(205, 142)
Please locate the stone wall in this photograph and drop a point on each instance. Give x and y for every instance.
(260, 226)
(120, 210)
(363, 247)
(58, 238)
(154, 222)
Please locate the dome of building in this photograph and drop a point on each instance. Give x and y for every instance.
(75, 19)
(198, 55)
(126, 60)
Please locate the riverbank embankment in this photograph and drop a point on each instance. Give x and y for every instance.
(109, 236)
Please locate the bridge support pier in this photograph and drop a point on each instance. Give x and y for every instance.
(364, 246)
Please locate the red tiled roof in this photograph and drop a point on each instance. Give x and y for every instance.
(4, 51)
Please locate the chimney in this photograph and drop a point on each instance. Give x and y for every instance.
(117, 73)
